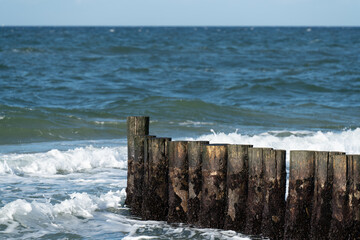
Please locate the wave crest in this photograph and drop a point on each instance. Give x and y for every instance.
(64, 162)
(346, 141)
(80, 205)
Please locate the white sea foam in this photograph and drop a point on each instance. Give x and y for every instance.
(30, 214)
(93, 215)
(55, 161)
(192, 123)
(4, 168)
(2, 117)
(106, 122)
(346, 141)
(138, 237)
(147, 229)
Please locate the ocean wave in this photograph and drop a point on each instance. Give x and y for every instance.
(347, 141)
(194, 123)
(64, 162)
(106, 122)
(24, 125)
(152, 229)
(79, 205)
(78, 209)
(133, 69)
(4, 67)
(27, 50)
(91, 59)
(125, 49)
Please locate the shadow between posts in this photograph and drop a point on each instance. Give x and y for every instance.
(242, 188)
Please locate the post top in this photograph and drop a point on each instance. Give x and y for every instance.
(138, 117)
(241, 145)
(180, 141)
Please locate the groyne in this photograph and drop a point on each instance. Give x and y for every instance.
(242, 188)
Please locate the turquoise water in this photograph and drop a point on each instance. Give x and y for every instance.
(65, 93)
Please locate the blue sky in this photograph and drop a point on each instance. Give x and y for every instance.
(181, 12)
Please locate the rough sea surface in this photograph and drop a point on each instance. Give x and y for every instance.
(65, 93)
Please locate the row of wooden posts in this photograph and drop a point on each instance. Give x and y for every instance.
(242, 188)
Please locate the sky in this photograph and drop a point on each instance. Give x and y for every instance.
(180, 12)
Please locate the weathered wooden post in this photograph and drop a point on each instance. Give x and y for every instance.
(145, 214)
(195, 149)
(155, 200)
(355, 196)
(323, 180)
(321, 210)
(299, 200)
(255, 199)
(340, 221)
(213, 194)
(136, 126)
(138, 175)
(273, 215)
(237, 185)
(178, 182)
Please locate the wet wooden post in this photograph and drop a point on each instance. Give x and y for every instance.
(138, 175)
(273, 215)
(299, 200)
(323, 180)
(213, 194)
(355, 196)
(339, 228)
(136, 126)
(255, 199)
(155, 204)
(145, 214)
(321, 210)
(178, 182)
(195, 149)
(236, 183)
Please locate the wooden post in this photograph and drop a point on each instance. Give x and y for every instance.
(321, 210)
(155, 204)
(355, 196)
(299, 201)
(145, 214)
(237, 181)
(195, 149)
(138, 175)
(178, 182)
(323, 180)
(339, 228)
(136, 126)
(273, 215)
(213, 198)
(255, 199)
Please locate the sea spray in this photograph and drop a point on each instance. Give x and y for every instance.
(64, 162)
(345, 141)
(83, 205)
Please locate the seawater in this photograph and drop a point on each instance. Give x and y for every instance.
(65, 93)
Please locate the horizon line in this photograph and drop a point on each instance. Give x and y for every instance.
(199, 26)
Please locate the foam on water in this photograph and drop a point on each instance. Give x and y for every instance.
(87, 202)
(194, 123)
(79, 205)
(87, 215)
(55, 161)
(153, 229)
(346, 141)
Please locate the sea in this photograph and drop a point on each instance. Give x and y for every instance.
(65, 93)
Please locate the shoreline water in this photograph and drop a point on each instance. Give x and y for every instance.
(77, 169)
